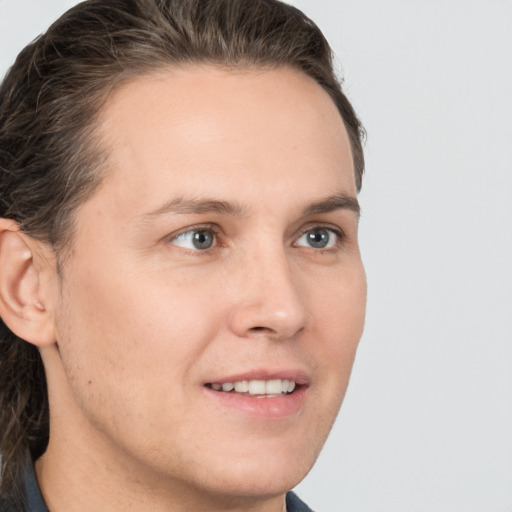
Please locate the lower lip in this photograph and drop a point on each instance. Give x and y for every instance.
(273, 408)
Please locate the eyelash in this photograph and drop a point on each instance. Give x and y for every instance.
(209, 228)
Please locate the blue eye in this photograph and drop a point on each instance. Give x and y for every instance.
(198, 239)
(318, 238)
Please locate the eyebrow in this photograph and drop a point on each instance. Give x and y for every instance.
(182, 206)
(332, 203)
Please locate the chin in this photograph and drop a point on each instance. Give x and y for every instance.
(264, 473)
(256, 485)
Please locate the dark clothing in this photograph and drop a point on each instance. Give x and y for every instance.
(35, 502)
(294, 504)
(34, 499)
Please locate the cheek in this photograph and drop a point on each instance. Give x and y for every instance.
(134, 309)
(338, 315)
(133, 337)
(339, 306)
(128, 349)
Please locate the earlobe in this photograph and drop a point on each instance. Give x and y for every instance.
(21, 306)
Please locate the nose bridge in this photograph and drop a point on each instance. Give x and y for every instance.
(271, 300)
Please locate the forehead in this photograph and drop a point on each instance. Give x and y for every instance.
(251, 130)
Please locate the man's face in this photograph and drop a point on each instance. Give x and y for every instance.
(219, 249)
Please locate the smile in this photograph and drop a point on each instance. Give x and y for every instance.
(260, 388)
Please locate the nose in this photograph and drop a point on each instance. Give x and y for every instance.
(268, 301)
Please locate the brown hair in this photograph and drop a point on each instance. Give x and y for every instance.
(50, 163)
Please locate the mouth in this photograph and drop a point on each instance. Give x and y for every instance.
(256, 388)
(263, 393)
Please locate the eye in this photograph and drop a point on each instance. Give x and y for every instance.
(318, 238)
(197, 239)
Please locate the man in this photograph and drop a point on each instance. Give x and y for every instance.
(181, 288)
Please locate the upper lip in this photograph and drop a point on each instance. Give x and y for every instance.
(298, 376)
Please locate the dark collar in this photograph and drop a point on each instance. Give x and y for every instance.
(295, 504)
(35, 502)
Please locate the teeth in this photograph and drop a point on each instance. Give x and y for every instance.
(274, 387)
(242, 386)
(257, 387)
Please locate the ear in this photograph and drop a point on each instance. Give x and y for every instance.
(22, 297)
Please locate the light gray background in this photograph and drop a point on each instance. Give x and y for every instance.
(427, 422)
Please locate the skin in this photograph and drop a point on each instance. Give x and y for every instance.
(141, 319)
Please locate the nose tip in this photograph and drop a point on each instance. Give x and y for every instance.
(261, 319)
(270, 305)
